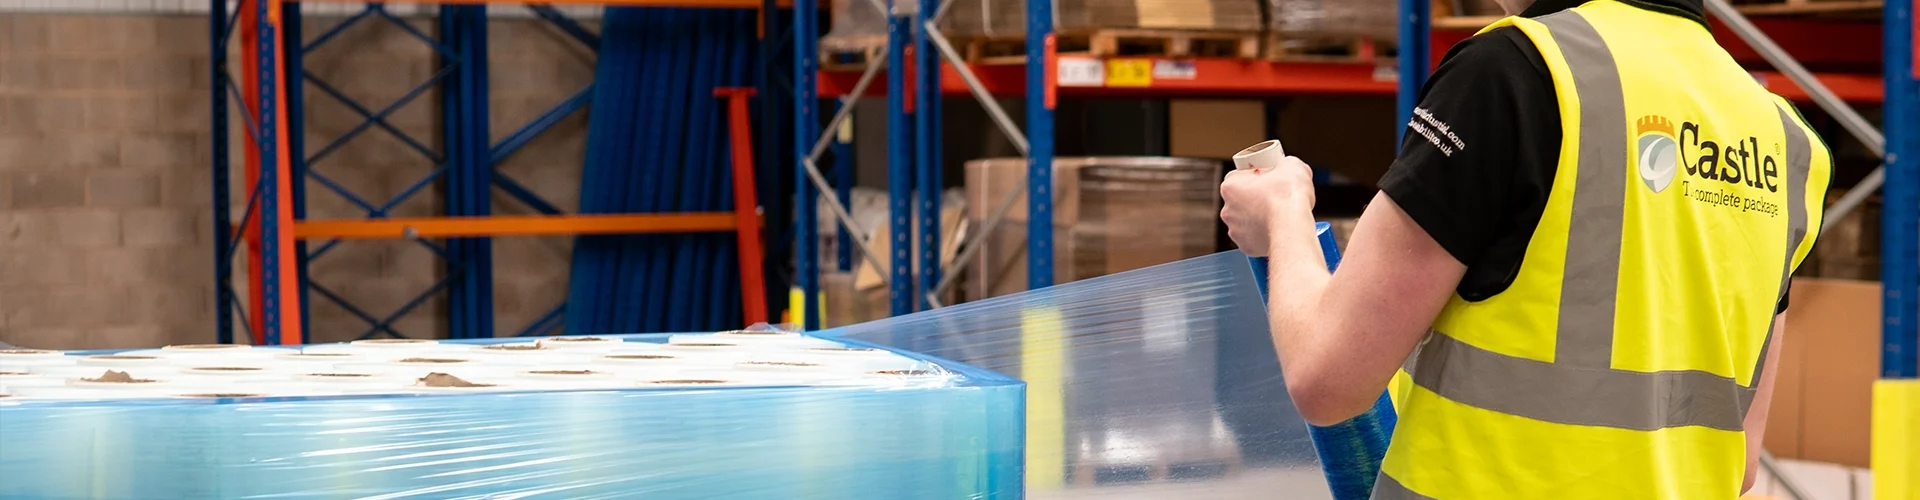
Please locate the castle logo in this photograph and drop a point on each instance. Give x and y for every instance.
(1658, 153)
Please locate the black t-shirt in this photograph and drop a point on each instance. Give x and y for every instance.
(1478, 159)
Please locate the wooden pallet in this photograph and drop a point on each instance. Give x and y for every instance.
(1324, 49)
(1121, 43)
(852, 54)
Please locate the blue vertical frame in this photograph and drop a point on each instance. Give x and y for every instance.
(468, 144)
(223, 298)
(1416, 22)
(268, 128)
(1040, 144)
(1900, 221)
(900, 165)
(928, 169)
(806, 128)
(842, 179)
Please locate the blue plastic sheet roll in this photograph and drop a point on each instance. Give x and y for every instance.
(1351, 451)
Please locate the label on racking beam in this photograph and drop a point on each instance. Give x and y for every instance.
(1080, 72)
(1174, 70)
(1129, 72)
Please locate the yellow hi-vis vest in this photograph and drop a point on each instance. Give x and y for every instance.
(1622, 361)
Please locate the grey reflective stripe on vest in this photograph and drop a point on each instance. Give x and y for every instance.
(1579, 387)
(1577, 395)
(1592, 280)
(1799, 169)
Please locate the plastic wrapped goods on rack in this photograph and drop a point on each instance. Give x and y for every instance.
(1309, 19)
(1111, 214)
(1008, 18)
(749, 415)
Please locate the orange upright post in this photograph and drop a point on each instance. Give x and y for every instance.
(249, 230)
(746, 206)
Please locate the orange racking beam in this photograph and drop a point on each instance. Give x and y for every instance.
(536, 225)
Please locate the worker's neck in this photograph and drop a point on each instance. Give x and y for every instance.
(1514, 7)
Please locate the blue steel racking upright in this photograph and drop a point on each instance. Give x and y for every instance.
(1900, 250)
(914, 87)
(270, 93)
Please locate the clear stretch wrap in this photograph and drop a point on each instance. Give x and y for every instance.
(1155, 383)
(1008, 18)
(1159, 383)
(788, 417)
(857, 25)
(1374, 19)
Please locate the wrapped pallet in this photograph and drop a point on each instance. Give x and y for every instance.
(1306, 19)
(857, 25)
(1110, 215)
(1008, 18)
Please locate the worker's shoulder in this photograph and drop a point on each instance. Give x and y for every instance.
(1503, 47)
(1504, 56)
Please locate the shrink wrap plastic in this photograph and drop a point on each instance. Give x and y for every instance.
(927, 428)
(1375, 19)
(1160, 382)
(859, 24)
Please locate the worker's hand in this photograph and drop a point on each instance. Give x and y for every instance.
(1254, 198)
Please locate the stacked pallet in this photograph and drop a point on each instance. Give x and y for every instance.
(858, 34)
(995, 30)
(1330, 29)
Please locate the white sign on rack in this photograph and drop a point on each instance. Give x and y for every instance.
(1166, 69)
(1080, 72)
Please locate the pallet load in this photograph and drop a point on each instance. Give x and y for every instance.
(1111, 215)
(995, 30)
(742, 414)
(1330, 29)
(858, 34)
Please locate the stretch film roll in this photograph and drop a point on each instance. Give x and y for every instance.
(1160, 382)
(1350, 451)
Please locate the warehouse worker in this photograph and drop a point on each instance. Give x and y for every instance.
(1580, 257)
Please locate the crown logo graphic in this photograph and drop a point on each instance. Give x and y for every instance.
(1651, 124)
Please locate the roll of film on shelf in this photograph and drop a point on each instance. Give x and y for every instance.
(1350, 451)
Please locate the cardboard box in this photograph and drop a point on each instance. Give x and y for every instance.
(1829, 360)
(1110, 215)
(1214, 128)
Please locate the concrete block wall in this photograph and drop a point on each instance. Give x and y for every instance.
(102, 180)
(105, 180)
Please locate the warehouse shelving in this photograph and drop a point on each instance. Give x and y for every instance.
(1235, 78)
(270, 90)
(1047, 76)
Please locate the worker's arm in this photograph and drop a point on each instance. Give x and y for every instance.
(1341, 335)
(1756, 423)
(1474, 169)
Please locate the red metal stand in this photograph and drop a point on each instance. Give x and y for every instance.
(746, 205)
